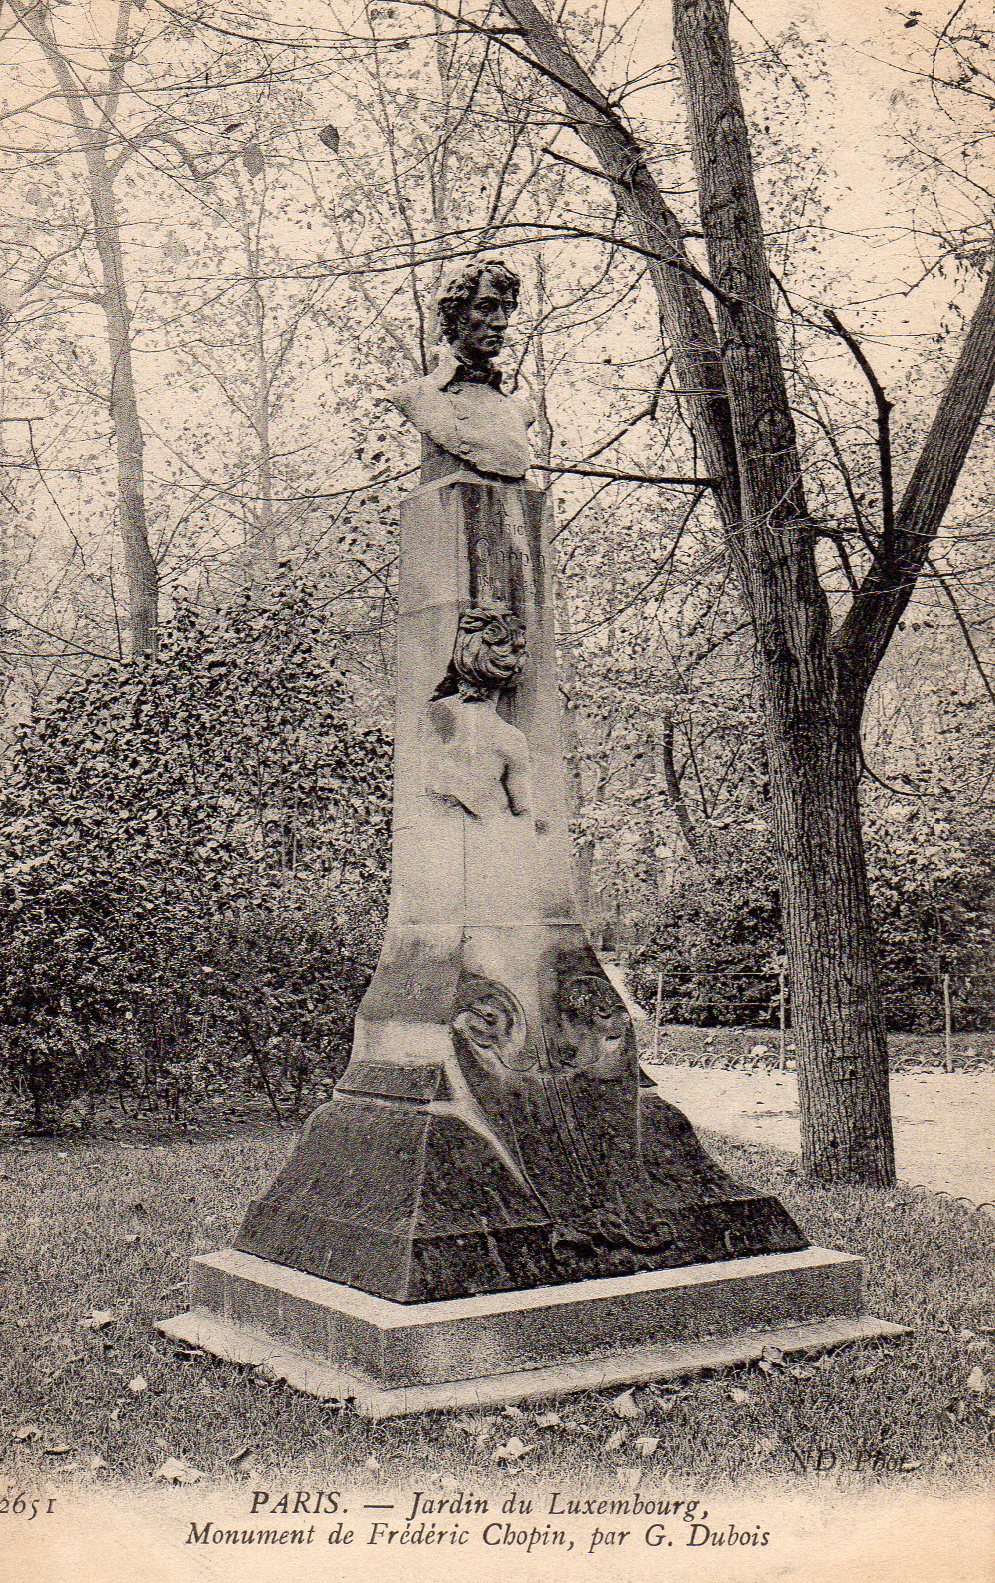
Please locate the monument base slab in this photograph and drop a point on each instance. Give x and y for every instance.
(388, 1358)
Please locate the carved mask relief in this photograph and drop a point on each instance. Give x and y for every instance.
(473, 758)
(489, 654)
(592, 1025)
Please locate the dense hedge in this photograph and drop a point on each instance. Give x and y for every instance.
(716, 942)
(195, 856)
(718, 945)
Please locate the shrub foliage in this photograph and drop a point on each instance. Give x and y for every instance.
(195, 856)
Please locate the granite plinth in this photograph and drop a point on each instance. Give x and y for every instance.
(333, 1341)
(404, 1200)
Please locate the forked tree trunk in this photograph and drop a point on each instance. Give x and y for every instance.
(814, 680)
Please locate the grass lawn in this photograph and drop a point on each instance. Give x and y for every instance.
(97, 1226)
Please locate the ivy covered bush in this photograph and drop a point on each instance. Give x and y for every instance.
(194, 861)
(932, 874)
(716, 941)
(716, 938)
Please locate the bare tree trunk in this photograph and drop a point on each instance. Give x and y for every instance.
(261, 550)
(829, 938)
(141, 569)
(583, 850)
(675, 793)
(812, 731)
(129, 441)
(9, 524)
(813, 681)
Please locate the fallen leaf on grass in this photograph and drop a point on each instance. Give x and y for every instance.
(548, 1421)
(977, 1381)
(512, 1412)
(512, 1451)
(97, 1464)
(615, 1440)
(481, 1428)
(56, 1451)
(138, 1385)
(98, 1319)
(173, 1471)
(646, 1445)
(373, 1463)
(741, 1398)
(625, 1406)
(27, 1432)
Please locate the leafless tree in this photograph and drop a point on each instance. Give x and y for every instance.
(814, 673)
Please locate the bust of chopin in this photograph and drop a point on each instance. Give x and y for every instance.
(463, 415)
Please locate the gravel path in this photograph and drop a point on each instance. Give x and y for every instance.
(944, 1121)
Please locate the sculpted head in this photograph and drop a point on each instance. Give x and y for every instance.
(489, 653)
(475, 307)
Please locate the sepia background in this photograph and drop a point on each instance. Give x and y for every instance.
(222, 231)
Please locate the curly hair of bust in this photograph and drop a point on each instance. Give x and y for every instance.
(488, 654)
(461, 289)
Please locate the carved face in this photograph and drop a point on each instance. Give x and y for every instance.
(489, 651)
(483, 323)
(592, 1023)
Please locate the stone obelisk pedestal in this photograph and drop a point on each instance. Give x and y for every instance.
(496, 1203)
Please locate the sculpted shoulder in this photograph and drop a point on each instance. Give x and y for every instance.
(417, 398)
(477, 424)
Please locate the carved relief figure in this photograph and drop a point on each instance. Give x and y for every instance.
(460, 408)
(471, 756)
(593, 1030)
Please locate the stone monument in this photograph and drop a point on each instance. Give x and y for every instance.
(496, 1202)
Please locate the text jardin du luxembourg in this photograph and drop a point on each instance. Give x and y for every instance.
(432, 1521)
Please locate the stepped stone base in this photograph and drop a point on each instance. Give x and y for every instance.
(390, 1358)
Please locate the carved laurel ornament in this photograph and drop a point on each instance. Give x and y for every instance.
(490, 1020)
